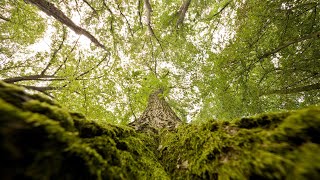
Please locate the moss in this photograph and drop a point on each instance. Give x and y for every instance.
(268, 146)
(300, 127)
(269, 120)
(35, 131)
(52, 112)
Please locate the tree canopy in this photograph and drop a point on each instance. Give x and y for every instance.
(223, 58)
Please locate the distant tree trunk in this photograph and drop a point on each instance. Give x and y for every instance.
(157, 115)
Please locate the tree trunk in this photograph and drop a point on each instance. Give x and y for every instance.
(157, 115)
(35, 130)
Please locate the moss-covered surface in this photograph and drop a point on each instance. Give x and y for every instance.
(269, 146)
(41, 140)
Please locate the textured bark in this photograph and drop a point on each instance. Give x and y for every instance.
(157, 115)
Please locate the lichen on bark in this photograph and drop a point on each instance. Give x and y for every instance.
(39, 139)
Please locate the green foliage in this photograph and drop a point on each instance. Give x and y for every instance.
(22, 25)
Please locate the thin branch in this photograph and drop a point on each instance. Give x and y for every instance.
(221, 10)
(151, 31)
(139, 13)
(92, 68)
(51, 10)
(182, 11)
(65, 60)
(55, 53)
(4, 18)
(42, 89)
(306, 88)
(279, 48)
(92, 8)
(121, 13)
(112, 16)
(33, 77)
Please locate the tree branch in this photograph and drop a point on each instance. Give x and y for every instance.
(51, 10)
(42, 89)
(65, 60)
(121, 13)
(149, 11)
(219, 12)
(4, 18)
(94, 10)
(139, 13)
(33, 77)
(311, 87)
(279, 48)
(55, 53)
(182, 11)
(86, 72)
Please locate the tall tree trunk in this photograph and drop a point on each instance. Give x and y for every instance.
(157, 115)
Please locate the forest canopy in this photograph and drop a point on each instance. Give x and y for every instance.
(221, 59)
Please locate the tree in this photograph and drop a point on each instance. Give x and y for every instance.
(35, 130)
(104, 58)
(154, 65)
(158, 115)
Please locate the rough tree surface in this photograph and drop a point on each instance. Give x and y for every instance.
(158, 115)
(42, 140)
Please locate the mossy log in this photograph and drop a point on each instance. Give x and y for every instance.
(42, 140)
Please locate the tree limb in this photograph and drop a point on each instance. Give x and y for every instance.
(219, 12)
(151, 31)
(128, 24)
(92, 8)
(33, 77)
(139, 13)
(92, 68)
(42, 89)
(279, 48)
(51, 10)
(306, 88)
(182, 11)
(4, 18)
(55, 53)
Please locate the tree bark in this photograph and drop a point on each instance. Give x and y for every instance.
(157, 115)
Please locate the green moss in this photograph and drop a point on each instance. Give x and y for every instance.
(268, 146)
(269, 120)
(52, 112)
(45, 141)
(300, 127)
(35, 131)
